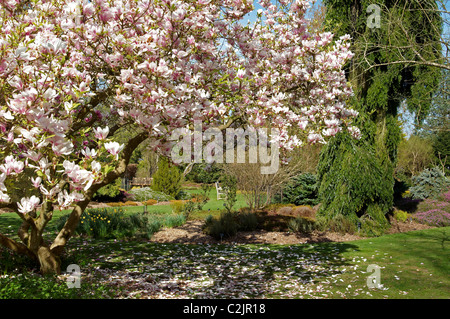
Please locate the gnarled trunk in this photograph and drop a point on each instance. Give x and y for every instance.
(49, 262)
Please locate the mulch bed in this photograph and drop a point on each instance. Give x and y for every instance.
(191, 233)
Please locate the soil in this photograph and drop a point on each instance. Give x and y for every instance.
(191, 233)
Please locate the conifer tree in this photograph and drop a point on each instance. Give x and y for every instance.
(167, 178)
(380, 84)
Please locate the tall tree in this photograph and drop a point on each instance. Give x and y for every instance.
(380, 85)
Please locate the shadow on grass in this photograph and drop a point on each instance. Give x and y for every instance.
(219, 271)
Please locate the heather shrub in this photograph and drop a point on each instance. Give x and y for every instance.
(183, 207)
(338, 224)
(285, 211)
(177, 206)
(304, 211)
(149, 202)
(434, 217)
(277, 206)
(131, 203)
(302, 225)
(122, 204)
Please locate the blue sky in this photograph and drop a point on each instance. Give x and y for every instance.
(252, 16)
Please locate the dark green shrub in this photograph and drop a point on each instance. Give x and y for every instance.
(153, 226)
(167, 178)
(205, 173)
(301, 190)
(247, 221)
(110, 191)
(428, 184)
(223, 227)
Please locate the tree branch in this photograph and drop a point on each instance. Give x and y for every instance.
(72, 222)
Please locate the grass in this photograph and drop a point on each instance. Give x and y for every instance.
(212, 206)
(413, 265)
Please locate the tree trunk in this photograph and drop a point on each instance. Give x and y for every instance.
(50, 263)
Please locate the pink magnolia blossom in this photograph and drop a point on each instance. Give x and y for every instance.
(100, 133)
(36, 181)
(27, 205)
(114, 148)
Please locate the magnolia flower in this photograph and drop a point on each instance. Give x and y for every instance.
(22, 54)
(96, 166)
(89, 153)
(50, 193)
(34, 156)
(36, 182)
(11, 164)
(314, 138)
(240, 74)
(65, 199)
(100, 133)
(355, 132)
(63, 148)
(27, 205)
(114, 148)
(4, 198)
(7, 115)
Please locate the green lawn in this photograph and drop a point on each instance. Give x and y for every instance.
(213, 205)
(413, 265)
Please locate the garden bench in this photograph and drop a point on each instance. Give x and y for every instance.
(220, 192)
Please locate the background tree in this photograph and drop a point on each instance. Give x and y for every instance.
(436, 126)
(380, 84)
(414, 155)
(406, 39)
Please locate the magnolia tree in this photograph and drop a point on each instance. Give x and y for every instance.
(73, 74)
